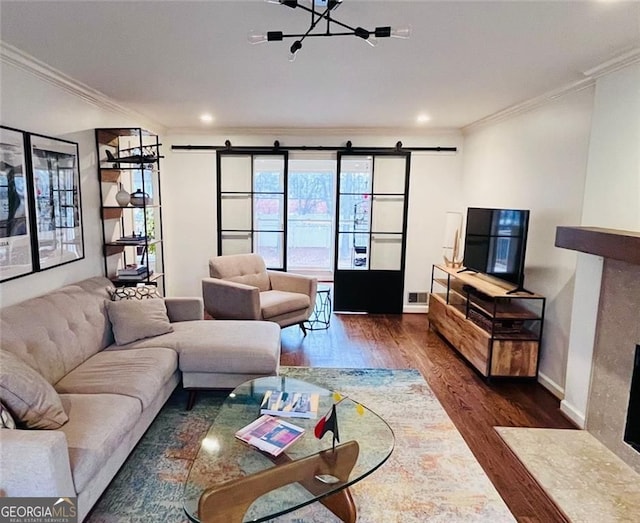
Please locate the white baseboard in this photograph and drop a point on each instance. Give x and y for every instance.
(574, 415)
(415, 309)
(551, 385)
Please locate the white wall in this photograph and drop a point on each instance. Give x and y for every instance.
(31, 104)
(537, 161)
(189, 200)
(612, 200)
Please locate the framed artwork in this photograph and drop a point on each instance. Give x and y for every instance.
(16, 254)
(57, 212)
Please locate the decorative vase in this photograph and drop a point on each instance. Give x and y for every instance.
(139, 198)
(123, 197)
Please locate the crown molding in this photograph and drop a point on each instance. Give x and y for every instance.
(632, 56)
(529, 105)
(621, 61)
(19, 59)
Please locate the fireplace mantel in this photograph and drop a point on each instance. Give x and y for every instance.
(608, 243)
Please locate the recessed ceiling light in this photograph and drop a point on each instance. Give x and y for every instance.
(206, 118)
(423, 118)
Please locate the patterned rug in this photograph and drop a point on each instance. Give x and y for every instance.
(431, 475)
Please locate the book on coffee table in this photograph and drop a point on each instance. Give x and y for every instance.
(270, 434)
(290, 404)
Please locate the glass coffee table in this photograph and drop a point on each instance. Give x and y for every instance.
(238, 483)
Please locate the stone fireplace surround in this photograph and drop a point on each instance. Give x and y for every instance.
(617, 332)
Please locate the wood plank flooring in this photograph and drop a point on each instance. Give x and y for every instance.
(475, 406)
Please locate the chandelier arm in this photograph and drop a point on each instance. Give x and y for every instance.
(327, 16)
(316, 34)
(315, 21)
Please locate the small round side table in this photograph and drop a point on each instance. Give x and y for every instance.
(321, 315)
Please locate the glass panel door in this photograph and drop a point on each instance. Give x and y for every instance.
(370, 241)
(252, 205)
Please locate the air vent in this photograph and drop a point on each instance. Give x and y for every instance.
(418, 297)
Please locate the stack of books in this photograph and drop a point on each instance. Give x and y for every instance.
(290, 404)
(134, 239)
(134, 273)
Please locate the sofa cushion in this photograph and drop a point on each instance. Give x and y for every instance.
(275, 303)
(73, 317)
(226, 346)
(231, 346)
(30, 398)
(137, 319)
(98, 423)
(6, 419)
(139, 292)
(139, 373)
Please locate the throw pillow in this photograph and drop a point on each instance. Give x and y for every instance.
(32, 400)
(137, 319)
(6, 418)
(140, 292)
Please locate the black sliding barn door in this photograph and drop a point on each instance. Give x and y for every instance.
(371, 232)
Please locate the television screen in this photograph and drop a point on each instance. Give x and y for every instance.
(495, 242)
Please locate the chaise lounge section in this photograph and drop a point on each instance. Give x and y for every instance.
(85, 401)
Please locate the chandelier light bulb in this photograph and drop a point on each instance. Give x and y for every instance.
(401, 32)
(372, 41)
(256, 37)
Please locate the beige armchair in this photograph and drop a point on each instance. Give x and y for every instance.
(241, 288)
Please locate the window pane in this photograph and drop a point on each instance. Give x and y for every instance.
(269, 245)
(236, 212)
(386, 252)
(389, 175)
(235, 174)
(268, 174)
(387, 213)
(311, 207)
(353, 251)
(355, 175)
(236, 243)
(269, 212)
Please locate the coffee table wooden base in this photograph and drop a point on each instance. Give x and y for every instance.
(229, 501)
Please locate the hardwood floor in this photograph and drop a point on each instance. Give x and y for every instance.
(475, 406)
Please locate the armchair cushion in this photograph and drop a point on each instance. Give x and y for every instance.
(275, 303)
(248, 269)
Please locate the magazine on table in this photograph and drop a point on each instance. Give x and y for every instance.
(270, 434)
(290, 404)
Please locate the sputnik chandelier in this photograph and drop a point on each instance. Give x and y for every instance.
(322, 10)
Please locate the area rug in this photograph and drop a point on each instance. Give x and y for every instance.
(431, 475)
(586, 480)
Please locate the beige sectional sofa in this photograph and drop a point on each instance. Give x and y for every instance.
(104, 396)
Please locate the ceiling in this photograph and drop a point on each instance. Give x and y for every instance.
(174, 60)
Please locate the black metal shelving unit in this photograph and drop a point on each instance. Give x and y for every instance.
(129, 159)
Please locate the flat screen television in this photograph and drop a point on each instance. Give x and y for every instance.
(496, 241)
